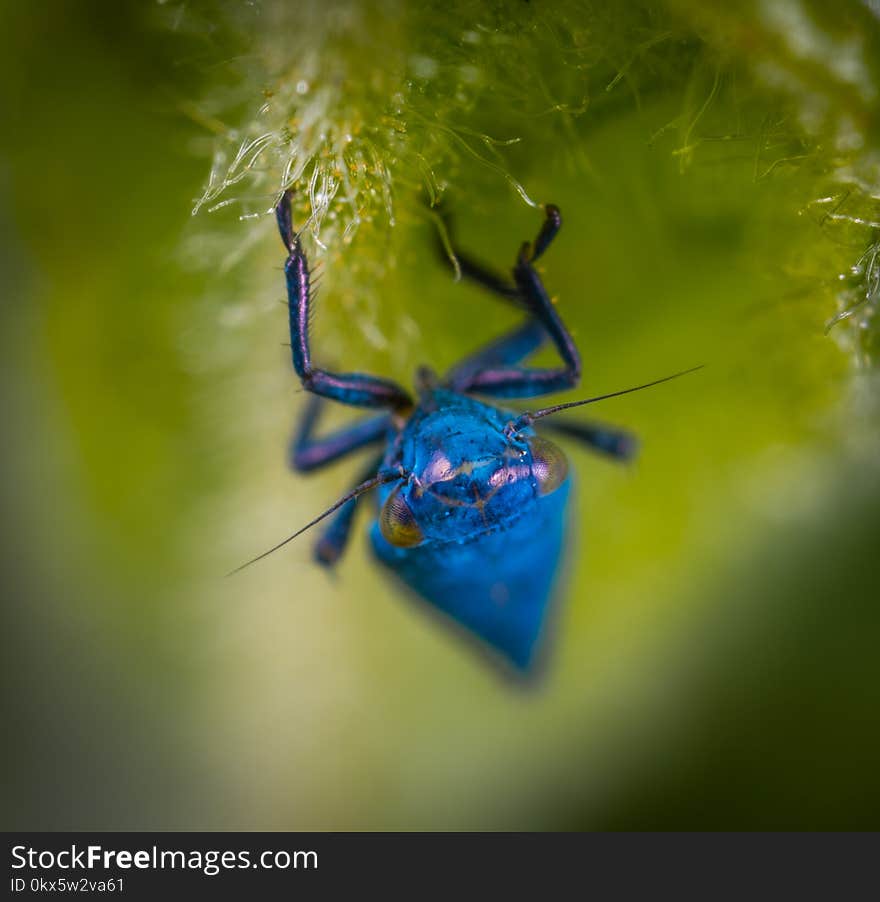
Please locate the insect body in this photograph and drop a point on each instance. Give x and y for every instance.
(476, 528)
(472, 502)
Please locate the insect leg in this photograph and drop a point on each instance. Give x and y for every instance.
(330, 546)
(511, 348)
(549, 230)
(484, 276)
(357, 389)
(608, 440)
(506, 381)
(481, 275)
(308, 453)
(477, 272)
(506, 351)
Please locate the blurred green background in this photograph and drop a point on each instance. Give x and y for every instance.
(715, 664)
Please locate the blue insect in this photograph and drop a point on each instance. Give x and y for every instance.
(472, 502)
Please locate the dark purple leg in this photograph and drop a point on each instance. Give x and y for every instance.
(506, 351)
(608, 440)
(500, 377)
(308, 453)
(331, 545)
(481, 275)
(357, 389)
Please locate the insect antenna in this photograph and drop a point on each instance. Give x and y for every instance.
(530, 416)
(380, 479)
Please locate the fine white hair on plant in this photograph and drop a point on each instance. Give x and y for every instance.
(372, 112)
(859, 300)
(364, 107)
(850, 213)
(369, 111)
(352, 114)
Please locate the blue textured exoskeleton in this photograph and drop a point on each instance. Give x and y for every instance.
(472, 502)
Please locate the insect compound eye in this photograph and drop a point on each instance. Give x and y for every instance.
(397, 523)
(549, 464)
